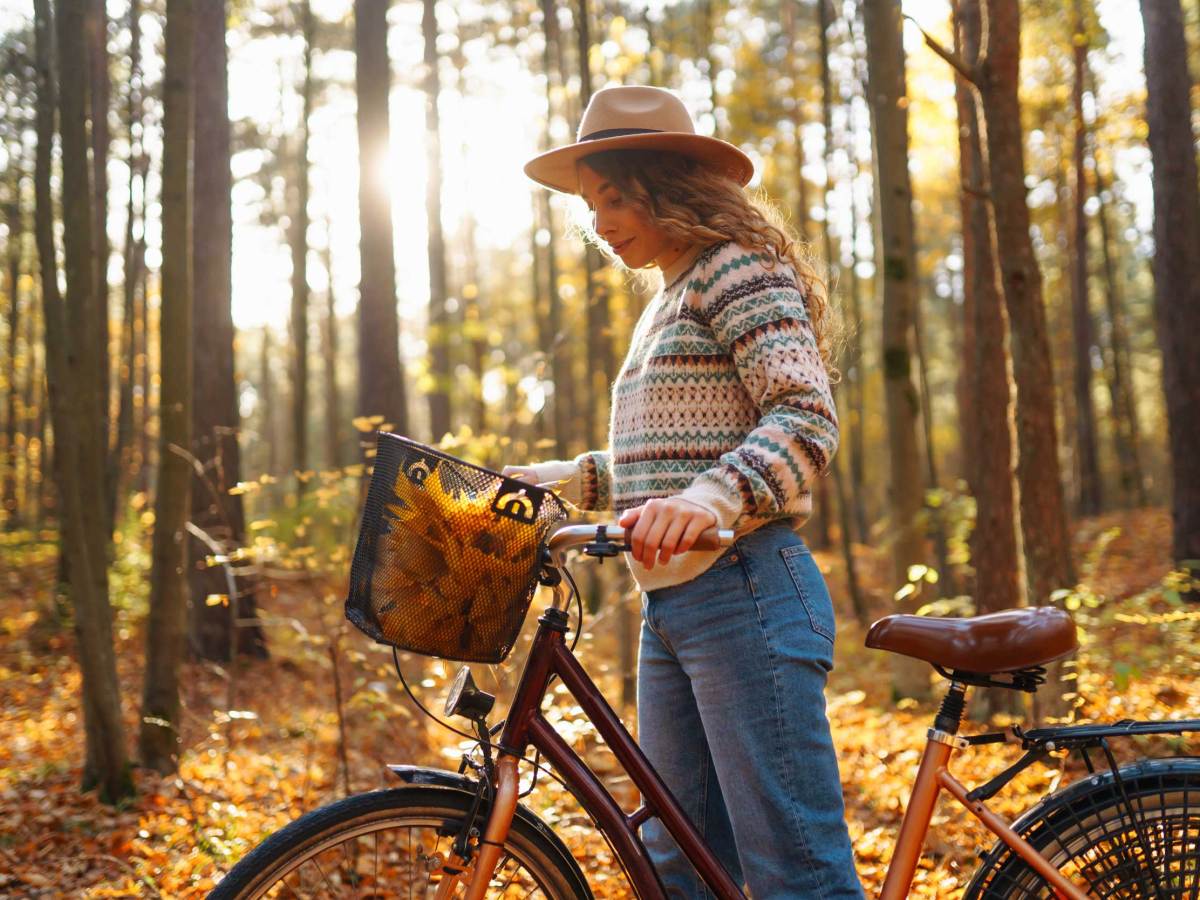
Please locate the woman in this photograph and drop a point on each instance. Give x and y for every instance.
(721, 415)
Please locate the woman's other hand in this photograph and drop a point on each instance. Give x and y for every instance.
(663, 528)
(520, 473)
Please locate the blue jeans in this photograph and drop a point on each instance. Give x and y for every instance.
(731, 712)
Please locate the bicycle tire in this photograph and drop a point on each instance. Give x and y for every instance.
(320, 854)
(1145, 846)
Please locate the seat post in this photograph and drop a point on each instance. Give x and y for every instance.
(950, 714)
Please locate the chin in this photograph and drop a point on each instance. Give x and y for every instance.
(631, 261)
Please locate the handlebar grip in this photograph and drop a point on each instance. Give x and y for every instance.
(714, 539)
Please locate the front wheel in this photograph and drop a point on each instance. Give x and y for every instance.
(396, 843)
(1143, 841)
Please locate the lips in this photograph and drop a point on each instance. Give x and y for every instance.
(617, 248)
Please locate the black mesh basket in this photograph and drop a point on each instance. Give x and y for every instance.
(448, 555)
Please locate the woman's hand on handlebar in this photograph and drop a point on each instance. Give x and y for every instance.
(663, 528)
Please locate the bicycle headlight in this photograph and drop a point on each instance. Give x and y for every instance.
(466, 699)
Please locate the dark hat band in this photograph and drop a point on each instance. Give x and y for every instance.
(617, 132)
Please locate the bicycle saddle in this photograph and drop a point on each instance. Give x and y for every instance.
(1004, 641)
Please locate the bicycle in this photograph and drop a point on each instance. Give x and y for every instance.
(1124, 831)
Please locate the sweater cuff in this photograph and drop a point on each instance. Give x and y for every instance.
(591, 480)
(715, 496)
(560, 470)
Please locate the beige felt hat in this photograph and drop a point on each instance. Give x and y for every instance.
(633, 117)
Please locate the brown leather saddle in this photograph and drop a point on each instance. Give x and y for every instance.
(1008, 641)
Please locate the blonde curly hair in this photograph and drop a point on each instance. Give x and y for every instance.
(698, 205)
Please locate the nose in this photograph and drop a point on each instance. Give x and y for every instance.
(602, 224)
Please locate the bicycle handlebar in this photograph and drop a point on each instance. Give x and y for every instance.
(568, 537)
(613, 537)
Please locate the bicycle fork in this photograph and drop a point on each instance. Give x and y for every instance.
(504, 806)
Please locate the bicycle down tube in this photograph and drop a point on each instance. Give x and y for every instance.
(526, 723)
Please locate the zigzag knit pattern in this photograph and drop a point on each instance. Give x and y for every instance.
(722, 399)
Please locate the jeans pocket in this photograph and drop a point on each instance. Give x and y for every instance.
(810, 585)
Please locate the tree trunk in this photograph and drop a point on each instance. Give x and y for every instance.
(705, 38)
(1043, 513)
(299, 242)
(1090, 493)
(333, 400)
(76, 398)
(215, 420)
(147, 410)
(166, 627)
(380, 387)
(987, 417)
(266, 387)
(439, 326)
(557, 351)
(10, 513)
(122, 450)
(856, 388)
(602, 364)
(831, 272)
(33, 405)
(796, 113)
(1176, 264)
(897, 256)
(1120, 373)
(95, 20)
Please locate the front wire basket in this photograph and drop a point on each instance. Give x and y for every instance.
(448, 555)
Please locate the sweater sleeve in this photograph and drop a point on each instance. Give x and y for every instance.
(585, 481)
(595, 480)
(762, 321)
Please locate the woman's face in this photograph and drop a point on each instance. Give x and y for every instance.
(629, 231)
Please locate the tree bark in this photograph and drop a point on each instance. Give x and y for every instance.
(34, 417)
(987, 417)
(333, 397)
(381, 390)
(439, 326)
(122, 450)
(74, 360)
(796, 113)
(299, 242)
(147, 411)
(1126, 430)
(166, 627)
(9, 511)
(602, 363)
(1043, 513)
(99, 91)
(857, 379)
(215, 420)
(897, 258)
(557, 350)
(1176, 264)
(266, 388)
(1090, 488)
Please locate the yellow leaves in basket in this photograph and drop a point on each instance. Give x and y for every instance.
(450, 572)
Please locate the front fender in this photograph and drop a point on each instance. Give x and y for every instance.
(434, 777)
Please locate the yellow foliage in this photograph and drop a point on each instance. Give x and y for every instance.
(448, 567)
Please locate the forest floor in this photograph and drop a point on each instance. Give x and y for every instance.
(262, 743)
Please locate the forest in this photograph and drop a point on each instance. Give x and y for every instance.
(241, 239)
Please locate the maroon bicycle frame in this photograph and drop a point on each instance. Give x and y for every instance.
(526, 726)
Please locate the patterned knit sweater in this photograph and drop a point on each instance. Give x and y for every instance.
(722, 400)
